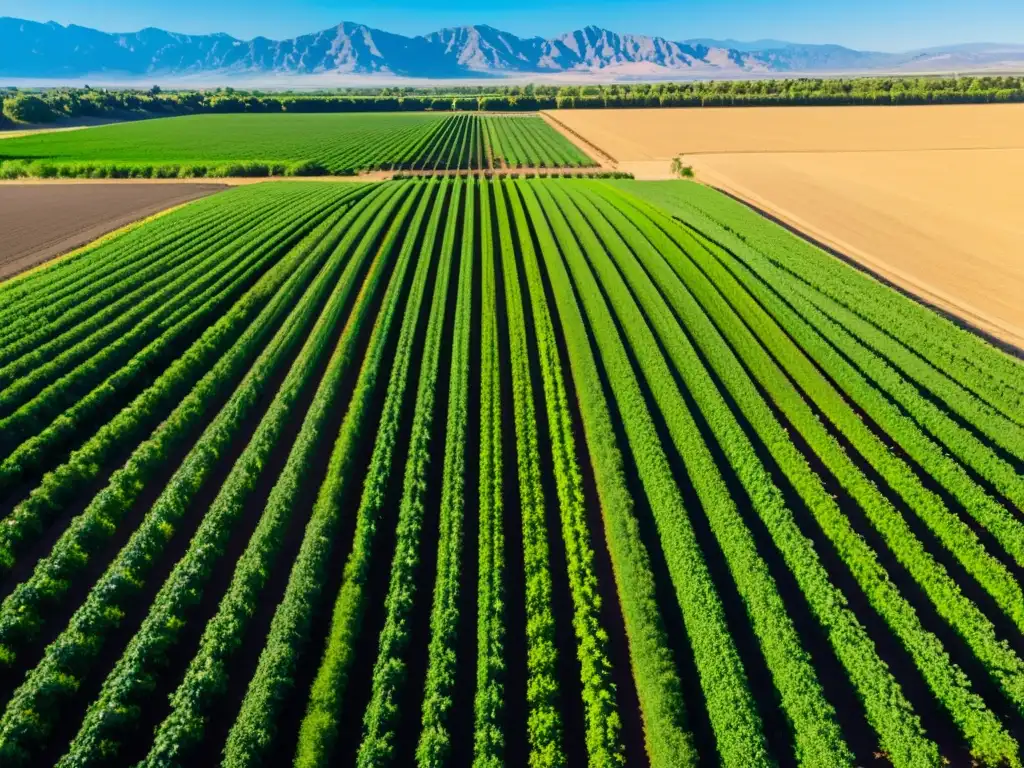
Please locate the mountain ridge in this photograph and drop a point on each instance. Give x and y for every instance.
(51, 50)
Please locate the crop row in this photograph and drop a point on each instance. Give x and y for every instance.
(297, 145)
(271, 466)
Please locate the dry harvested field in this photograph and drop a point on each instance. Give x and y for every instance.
(946, 225)
(41, 221)
(661, 134)
(927, 197)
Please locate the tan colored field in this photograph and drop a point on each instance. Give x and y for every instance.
(630, 135)
(929, 197)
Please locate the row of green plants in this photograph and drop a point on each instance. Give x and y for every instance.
(383, 713)
(208, 674)
(492, 622)
(435, 743)
(816, 734)
(603, 721)
(35, 707)
(529, 142)
(48, 169)
(44, 381)
(908, 419)
(60, 486)
(113, 714)
(40, 297)
(947, 682)
(730, 702)
(254, 730)
(888, 710)
(735, 414)
(369, 143)
(975, 377)
(951, 531)
(659, 688)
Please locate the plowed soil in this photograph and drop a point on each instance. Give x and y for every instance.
(41, 221)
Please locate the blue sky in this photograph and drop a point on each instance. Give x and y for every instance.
(867, 24)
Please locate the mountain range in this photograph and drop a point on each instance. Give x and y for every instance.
(31, 49)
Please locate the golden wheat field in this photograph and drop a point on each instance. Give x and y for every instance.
(928, 197)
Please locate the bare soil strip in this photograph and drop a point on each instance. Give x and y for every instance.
(39, 222)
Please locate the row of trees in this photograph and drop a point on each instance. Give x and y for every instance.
(50, 105)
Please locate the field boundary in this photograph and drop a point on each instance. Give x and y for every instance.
(578, 139)
(368, 177)
(97, 236)
(919, 293)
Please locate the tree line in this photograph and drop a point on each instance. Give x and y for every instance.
(49, 105)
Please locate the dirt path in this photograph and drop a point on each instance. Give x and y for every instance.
(41, 221)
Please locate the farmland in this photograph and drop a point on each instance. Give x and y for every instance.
(39, 223)
(299, 145)
(523, 471)
(924, 197)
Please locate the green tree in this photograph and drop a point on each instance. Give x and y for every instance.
(26, 108)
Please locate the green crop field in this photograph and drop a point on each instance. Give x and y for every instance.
(285, 144)
(499, 472)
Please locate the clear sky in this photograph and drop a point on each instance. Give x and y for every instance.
(888, 25)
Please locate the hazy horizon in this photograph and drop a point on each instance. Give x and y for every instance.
(876, 25)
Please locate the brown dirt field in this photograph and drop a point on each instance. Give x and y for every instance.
(39, 222)
(230, 181)
(927, 197)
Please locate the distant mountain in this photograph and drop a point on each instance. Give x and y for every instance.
(740, 45)
(35, 50)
